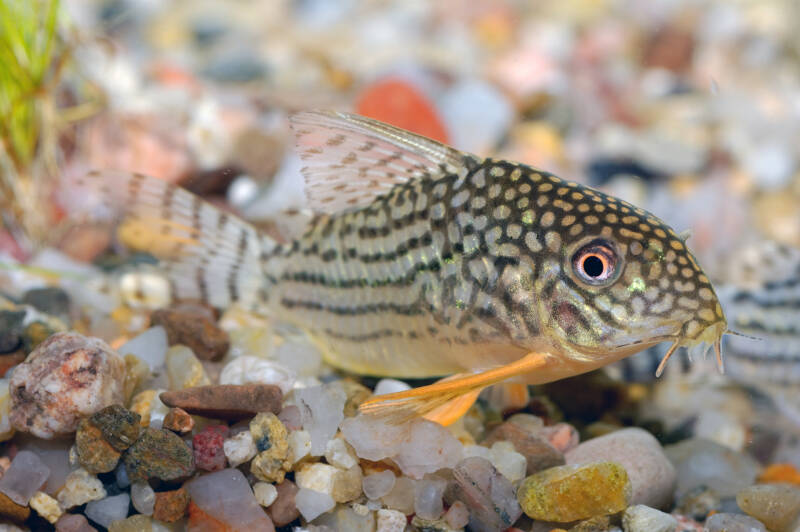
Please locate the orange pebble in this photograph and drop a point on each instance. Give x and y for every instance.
(399, 103)
(780, 473)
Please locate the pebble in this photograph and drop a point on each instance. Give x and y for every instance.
(74, 523)
(379, 484)
(6, 430)
(457, 515)
(321, 411)
(158, 454)
(722, 522)
(538, 452)
(291, 417)
(356, 394)
(476, 114)
(256, 370)
(150, 347)
(170, 506)
(26, 475)
(178, 420)
(651, 474)
(149, 407)
(46, 506)
(271, 441)
(80, 488)
(120, 426)
(134, 523)
(357, 518)
(390, 521)
(488, 494)
(184, 369)
(428, 498)
(301, 358)
(777, 473)
(299, 445)
(385, 386)
(505, 459)
(226, 496)
(775, 505)
(265, 493)
(317, 477)
(193, 327)
(50, 300)
(311, 504)
(347, 484)
(13, 511)
(136, 372)
(239, 448)
(572, 492)
(283, 510)
(641, 518)
(95, 454)
(698, 502)
(401, 496)
(226, 401)
(143, 497)
(338, 454)
(106, 511)
(11, 327)
(65, 378)
(207, 446)
(701, 462)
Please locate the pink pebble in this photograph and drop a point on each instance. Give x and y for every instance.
(208, 451)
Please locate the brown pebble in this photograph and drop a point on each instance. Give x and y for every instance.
(74, 523)
(178, 420)
(226, 401)
(193, 328)
(283, 511)
(538, 452)
(120, 426)
(95, 454)
(13, 511)
(170, 506)
(10, 360)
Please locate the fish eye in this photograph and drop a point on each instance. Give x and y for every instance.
(595, 263)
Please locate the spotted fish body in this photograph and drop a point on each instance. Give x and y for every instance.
(425, 261)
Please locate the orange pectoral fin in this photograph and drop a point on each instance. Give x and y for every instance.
(447, 400)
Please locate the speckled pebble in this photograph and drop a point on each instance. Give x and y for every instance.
(120, 426)
(46, 506)
(207, 446)
(723, 522)
(95, 454)
(159, 454)
(271, 440)
(775, 505)
(170, 506)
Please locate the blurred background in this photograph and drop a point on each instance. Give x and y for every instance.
(688, 108)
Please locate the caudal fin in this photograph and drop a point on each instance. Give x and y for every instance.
(208, 254)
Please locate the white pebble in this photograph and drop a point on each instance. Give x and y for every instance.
(106, 511)
(317, 476)
(299, 445)
(143, 497)
(391, 521)
(249, 369)
(476, 450)
(145, 289)
(428, 498)
(337, 454)
(321, 409)
(239, 448)
(312, 504)
(385, 386)
(80, 488)
(377, 485)
(150, 346)
(507, 461)
(641, 518)
(457, 515)
(24, 477)
(265, 493)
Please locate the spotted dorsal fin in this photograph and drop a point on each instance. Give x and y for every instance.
(350, 160)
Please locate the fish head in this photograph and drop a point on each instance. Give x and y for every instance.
(615, 279)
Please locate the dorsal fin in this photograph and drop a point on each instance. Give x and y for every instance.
(350, 160)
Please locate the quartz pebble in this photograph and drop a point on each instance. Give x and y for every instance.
(150, 346)
(321, 409)
(391, 521)
(357, 518)
(317, 476)
(66, 377)
(401, 496)
(299, 445)
(379, 484)
(271, 440)
(488, 494)
(651, 474)
(239, 448)
(80, 488)
(226, 401)
(265, 493)
(158, 454)
(143, 497)
(46, 506)
(193, 327)
(226, 496)
(428, 498)
(572, 492)
(184, 369)
(311, 504)
(457, 515)
(170, 506)
(74, 523)
(284, 510)
(337, 454)
(255, 370)
(207, 446)
(507, 461)
(775, 505)
(538, 452)
(106, 511)
(25, 477)
(641, 518)
(701, 462)
(385, 386)
(722, 522)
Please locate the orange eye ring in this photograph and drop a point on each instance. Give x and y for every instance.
(595, 263)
